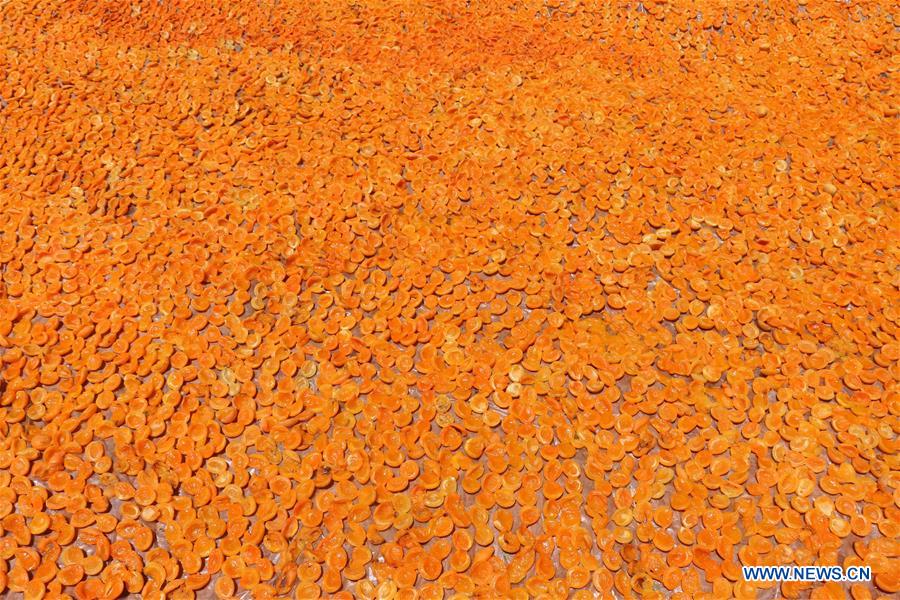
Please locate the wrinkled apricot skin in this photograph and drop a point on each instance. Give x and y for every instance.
(542, 299)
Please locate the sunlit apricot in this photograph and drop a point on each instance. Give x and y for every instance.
(542, 302)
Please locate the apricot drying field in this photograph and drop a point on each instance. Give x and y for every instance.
(407, 300)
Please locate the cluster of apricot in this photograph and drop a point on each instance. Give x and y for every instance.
(540, 299)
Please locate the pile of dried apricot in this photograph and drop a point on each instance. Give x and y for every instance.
(535, 299)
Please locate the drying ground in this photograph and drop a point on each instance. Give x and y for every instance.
(439, 300)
